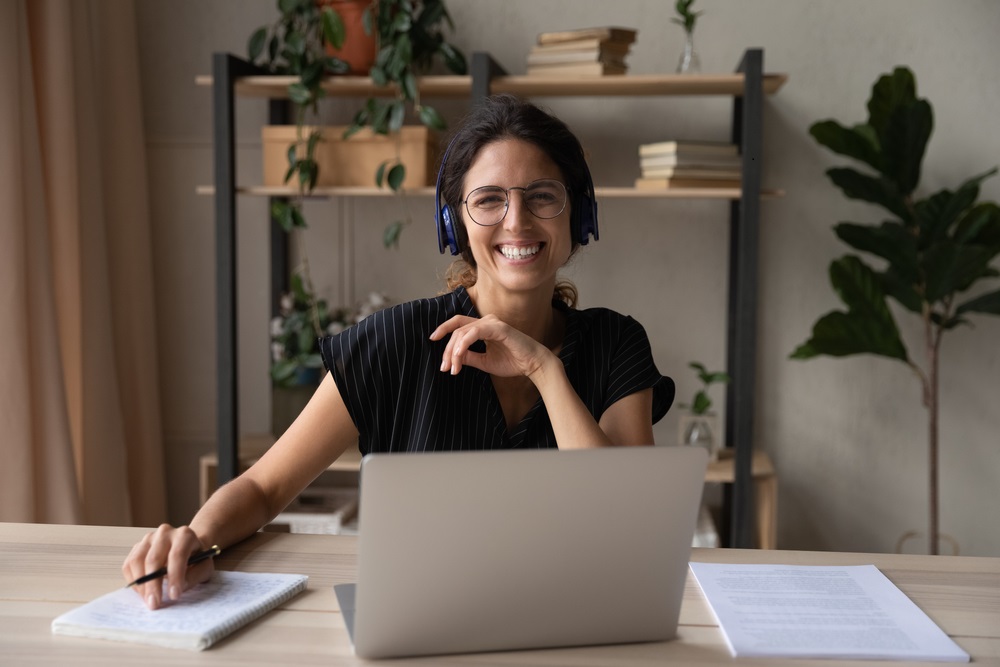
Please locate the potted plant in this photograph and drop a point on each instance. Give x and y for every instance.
(410, 39)
(296, 364)
(934, 250)
(698, 424)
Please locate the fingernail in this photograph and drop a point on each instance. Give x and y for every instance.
(173, 593)
(150, 602)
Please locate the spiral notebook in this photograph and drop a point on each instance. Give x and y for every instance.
(202, 616)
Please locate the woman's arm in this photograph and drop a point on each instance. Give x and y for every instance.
(321, 433)
(510, 353)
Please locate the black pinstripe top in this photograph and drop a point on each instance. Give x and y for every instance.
(386, 368)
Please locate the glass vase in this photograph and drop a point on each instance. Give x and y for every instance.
(698, 431)
(689, 62)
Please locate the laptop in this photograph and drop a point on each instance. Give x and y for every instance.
(463, 552)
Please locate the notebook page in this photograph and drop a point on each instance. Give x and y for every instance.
(202, 615)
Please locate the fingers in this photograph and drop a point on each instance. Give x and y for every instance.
(456, 352)
(165, 547)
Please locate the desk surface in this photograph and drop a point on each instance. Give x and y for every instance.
(46, 570)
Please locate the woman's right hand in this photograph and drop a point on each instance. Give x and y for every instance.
(170, 547)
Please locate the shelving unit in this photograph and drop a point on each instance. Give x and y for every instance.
(232, 77)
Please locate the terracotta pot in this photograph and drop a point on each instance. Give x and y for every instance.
(359, 48)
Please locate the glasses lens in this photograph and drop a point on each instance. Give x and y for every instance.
(544, 199)
(487, 205)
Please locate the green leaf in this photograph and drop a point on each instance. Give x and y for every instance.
(890, 241)
(397, 114)
(980, 225)
(866, 328)
(868, 188)
(256, 44)
(902, 290)
(988, 303)
(396, 176)
(698, 367)
(949, 268)
(431, 118)
(904, 140)
(297, 219)
(890, 92)
(287, 6)
(401, 22)
(408, 85)
(378, 76)
(701, 403)
(380, 173)
(333, 28)
(935, 215)
(454, 59)
(295, 43)
(300, 94)
(851, 142)
(839, 334)
(390, 237)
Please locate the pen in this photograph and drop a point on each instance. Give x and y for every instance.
(214, 550)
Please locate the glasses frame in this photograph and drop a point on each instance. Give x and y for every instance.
(506, 207)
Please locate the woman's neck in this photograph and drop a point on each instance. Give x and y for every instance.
(530, 313)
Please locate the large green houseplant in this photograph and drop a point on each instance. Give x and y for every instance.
(410, 39)
(933, 250)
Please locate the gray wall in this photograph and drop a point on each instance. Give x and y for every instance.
(848, 436)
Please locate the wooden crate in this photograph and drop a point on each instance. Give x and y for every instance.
(352, 161)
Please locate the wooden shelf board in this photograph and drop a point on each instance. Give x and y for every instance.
(453, 86)
(602, 192)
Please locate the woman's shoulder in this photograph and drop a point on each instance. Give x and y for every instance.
(428, 311)
(600, 318)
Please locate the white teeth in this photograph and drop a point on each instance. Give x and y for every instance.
(515, 252)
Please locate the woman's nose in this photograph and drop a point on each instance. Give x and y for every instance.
(518, 215)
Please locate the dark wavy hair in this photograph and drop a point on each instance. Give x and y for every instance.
(509, 117)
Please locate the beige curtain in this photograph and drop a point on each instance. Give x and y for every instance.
(79, 402)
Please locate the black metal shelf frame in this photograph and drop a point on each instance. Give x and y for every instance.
(744, 218)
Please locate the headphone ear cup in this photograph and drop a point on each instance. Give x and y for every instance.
(587, 221)
(450, 235)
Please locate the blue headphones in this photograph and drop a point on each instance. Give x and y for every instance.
(583, 214)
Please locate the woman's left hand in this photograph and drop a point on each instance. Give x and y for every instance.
(509, 352)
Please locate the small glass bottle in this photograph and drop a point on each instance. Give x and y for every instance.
(689, 62)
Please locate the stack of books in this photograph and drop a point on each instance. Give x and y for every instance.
(589, 51)
(688, 164)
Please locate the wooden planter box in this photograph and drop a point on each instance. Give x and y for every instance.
(352, 161)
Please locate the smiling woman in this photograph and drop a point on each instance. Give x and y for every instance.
(504, 360)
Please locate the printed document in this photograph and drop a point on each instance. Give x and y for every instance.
(797, 611)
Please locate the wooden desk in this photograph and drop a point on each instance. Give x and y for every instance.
(47, 570)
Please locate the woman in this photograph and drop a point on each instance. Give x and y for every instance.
(503, 360)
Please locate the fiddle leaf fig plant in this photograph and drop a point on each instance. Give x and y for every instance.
(931, 254)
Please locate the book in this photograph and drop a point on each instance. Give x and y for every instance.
(576, 69)
(593, 44)
(692, 172)
(849, 612)
(610, 33)
(658, 183)
(705, 161)
(566, 57)
(688, 148)
(202, 616)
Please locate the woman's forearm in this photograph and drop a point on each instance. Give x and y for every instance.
(572, 423)
(233, 513)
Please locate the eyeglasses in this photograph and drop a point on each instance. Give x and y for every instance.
(487, 206)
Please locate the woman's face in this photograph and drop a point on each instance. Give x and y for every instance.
(523, 252)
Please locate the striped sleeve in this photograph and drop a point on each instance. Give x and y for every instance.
(632, 368)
